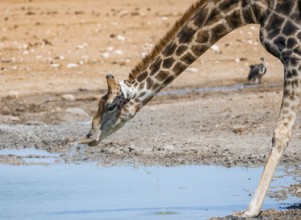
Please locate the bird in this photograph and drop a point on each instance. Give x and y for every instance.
(257, 71)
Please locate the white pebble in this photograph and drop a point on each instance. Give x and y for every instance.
(12, 95)
(215, 48)
(110, 49)
(193, 69)
(120, 38)
(72, 65)
(68, 97)
(163, 18)
(106, 55)
(118, 52)
(76, 111)
(55, 65)
(82, 46)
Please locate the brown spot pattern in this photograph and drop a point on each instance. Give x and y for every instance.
(202, 37)
(179, 68)
(188, 58)
(155, 66)
(162, 75)
(167, 63)
(181, 50)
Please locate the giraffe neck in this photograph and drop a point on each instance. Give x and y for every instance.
(201, 26)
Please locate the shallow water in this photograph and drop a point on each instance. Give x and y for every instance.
(32, 155)
(87, 191)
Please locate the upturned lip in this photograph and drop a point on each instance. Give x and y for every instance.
(92, 138)
(88, 141)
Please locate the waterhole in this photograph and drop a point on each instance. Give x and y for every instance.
(87, 191)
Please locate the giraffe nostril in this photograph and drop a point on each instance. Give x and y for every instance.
(89, 135)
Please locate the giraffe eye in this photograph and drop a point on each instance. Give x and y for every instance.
(111, 107)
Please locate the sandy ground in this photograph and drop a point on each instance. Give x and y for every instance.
(54, 56)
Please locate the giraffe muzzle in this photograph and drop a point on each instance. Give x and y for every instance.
(91, 139)
(89, 142)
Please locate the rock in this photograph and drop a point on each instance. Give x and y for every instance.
(14, 118)
(72, 65)
(82, 46)
(121, 38)
(118, 52)
(106, 55)
(47, 42)
(35, 123)
(238, 129)
(9, 119)
(215, 49)
(55, 65)
(168, 147)
(12, 95)
(76, 111)
(68, 97)
(193, 70)
(110, 49)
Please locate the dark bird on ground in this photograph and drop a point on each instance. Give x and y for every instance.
(257, 71)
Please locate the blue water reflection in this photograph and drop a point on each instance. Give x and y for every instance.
(93, 192)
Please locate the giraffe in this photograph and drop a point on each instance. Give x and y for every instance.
(203, 24)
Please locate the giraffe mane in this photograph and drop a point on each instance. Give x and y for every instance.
(142, 65)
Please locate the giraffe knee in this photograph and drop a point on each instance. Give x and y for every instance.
(281, 139)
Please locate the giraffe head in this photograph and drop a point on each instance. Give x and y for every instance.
(114, 110)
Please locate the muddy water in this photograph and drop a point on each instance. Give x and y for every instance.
(32, 155)
(86, 191)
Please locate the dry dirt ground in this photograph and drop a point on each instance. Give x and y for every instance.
(54, 56)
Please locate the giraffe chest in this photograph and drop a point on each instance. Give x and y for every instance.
(281, 33)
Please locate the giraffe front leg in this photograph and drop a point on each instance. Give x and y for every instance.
(281, 137)
(280, 142)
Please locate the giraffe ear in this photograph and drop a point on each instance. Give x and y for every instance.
(126, 89)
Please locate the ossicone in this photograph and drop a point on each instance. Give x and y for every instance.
(112, 85)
